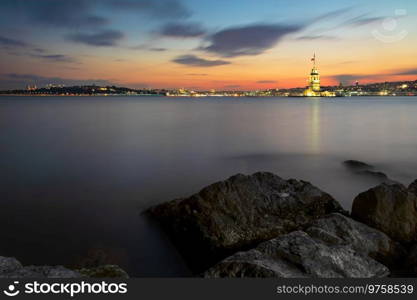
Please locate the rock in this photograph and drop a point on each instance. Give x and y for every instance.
(390, 208)
(364, 169)
(357, 165)
(12, 268)
(413, 187)
(239, 213)
(297, 255)
(9, 264)
(106, 271)
(411, 262)
(337, 229)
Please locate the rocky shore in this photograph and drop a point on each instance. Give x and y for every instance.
(265, 226)
(12, 268)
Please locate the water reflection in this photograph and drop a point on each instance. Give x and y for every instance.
(315, 126)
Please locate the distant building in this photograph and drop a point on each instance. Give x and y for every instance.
(31, 87)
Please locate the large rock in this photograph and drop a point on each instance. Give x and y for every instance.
(391, 208)
(12, 268)
(297, 255)
(337, 229)
(410, 265)
(239, 213)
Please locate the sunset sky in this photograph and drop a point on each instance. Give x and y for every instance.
(202, 44)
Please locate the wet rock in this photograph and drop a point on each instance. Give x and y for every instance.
(337, 229)
(410, 265)
(413, 187)
(12, 268)
(297, 255)
(390, 208)
(239, 213)
(357, 165)
(364, 169)
(106, 271)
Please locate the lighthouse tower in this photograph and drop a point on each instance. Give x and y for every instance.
(313, 88)
(314, 80)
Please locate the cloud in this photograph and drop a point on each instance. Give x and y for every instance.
(167, 9)
(363, 20)
(15, 80)
(57, 13)
(54, 57)
(182, 30)
(316, 37)
(248, 40)
(267, 81)
(103, 38)
(349, 78)
(411, 71)
(8, 42)
(192, 60)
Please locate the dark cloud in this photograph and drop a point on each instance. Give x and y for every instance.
(192, 60)
(412, 71)
(58, 13)
(8, 42)
(167, 9)
(316, 37)
(248, 40)
(349, 78)
(158, 49)
(266, 81)
(54, 57)
(182, 30)
(102, 38)
(362, 20)
(14, 80)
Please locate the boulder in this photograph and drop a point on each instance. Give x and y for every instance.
(364, 169)
(298, 255)
(238, 213)
(357, 165)
(12, 268)
(410, 265)
(413, 187)
(105, 271)
(390, 208)
(337, 229)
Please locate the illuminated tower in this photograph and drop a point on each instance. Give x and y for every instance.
(314, 80)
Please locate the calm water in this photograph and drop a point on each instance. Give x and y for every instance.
(76, 172)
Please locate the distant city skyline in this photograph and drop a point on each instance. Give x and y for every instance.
(199, 44)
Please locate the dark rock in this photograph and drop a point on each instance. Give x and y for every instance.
(411, 262)
(391, 208)
(238, 213)
(413, 187)
(297, 255)
(11, 268)
(363, 169)
(377, 175)
(357, 165)
(106, 271)
(337, 229)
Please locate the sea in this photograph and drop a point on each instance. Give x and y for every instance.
(76, 173)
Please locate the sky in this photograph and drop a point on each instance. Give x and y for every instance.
(205, 44)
